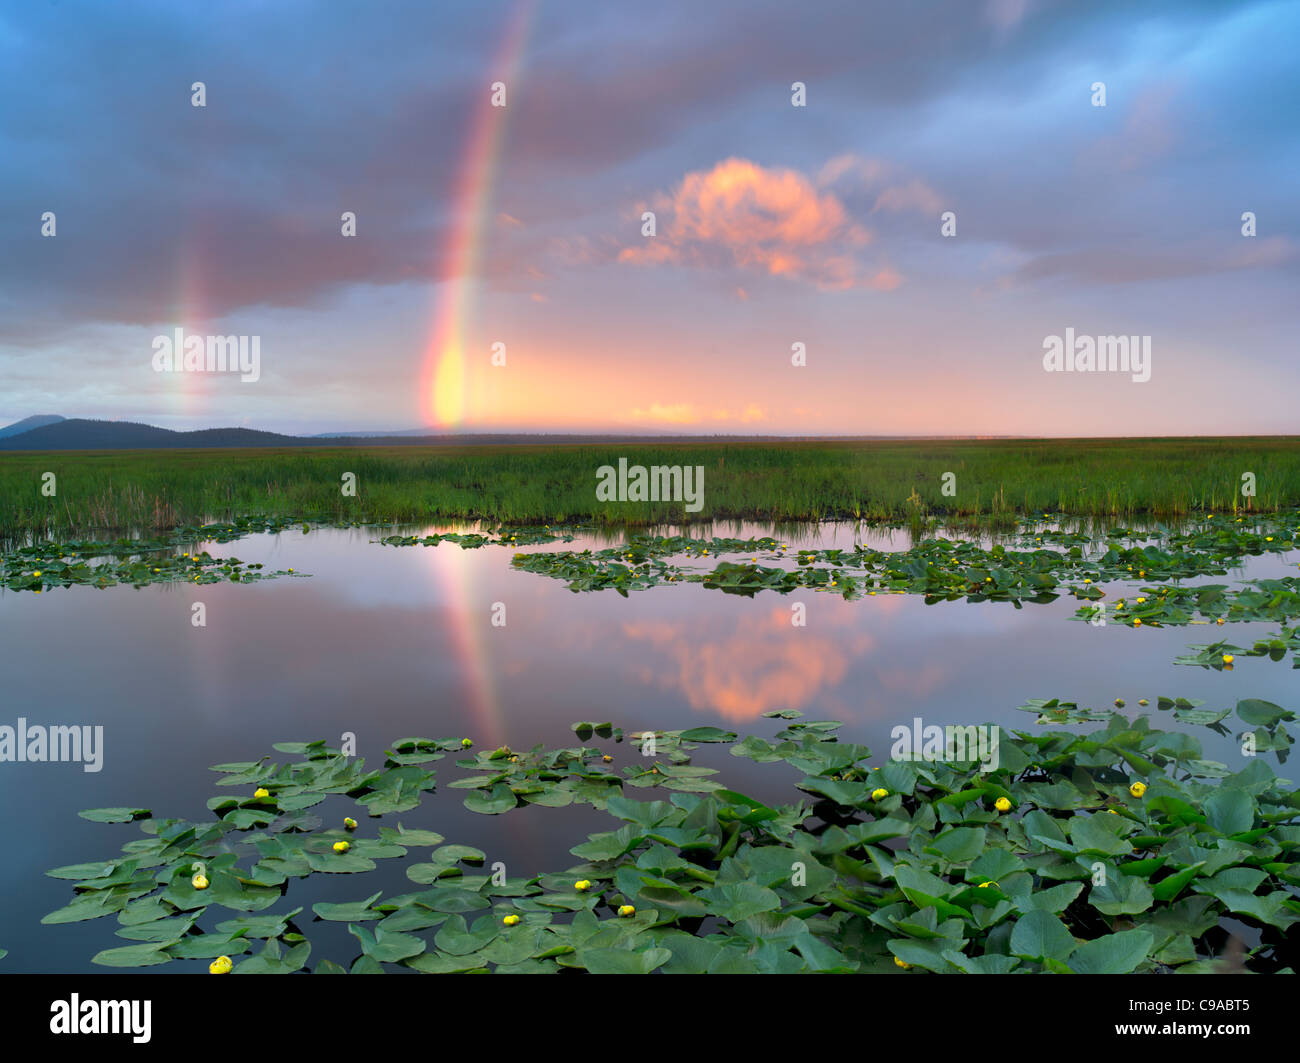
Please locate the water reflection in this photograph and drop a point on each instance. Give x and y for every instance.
(387, 642)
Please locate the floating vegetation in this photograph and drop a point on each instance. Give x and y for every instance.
(1222, 655)
(1120, 850)
(943, 569)
(139, 562)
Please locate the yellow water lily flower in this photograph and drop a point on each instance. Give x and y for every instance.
(465, 743)
(349, 823)
(626, 911)
(37, 572)
(1137, 621)
(510, 920)
(582, 885)
(1219, 621)
(1002, 804)
(199, 882)
(1138, 789)
(1228, 658)
(876, 795)
(342, 847)
(900, 963)
(990, 882)
(261, 792)
(221, 965)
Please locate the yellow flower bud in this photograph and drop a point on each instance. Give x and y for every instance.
(221, 965)
(1228, 658)
(1002, 804)
(876, 795)
(342, 847)
(626, 911)
(199, 882)
(900, 963)
(261, 792)
(349, 823)
(510, 920)
(1138, 789)
(582, 885)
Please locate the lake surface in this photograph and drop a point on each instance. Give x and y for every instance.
(387, 642)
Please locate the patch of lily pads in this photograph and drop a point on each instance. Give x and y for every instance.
(1113, 851)
(143, 562)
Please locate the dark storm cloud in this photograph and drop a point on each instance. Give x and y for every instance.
(314, 109)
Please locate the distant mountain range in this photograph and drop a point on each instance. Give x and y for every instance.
(51, 432)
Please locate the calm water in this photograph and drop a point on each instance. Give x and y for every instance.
(387, 642)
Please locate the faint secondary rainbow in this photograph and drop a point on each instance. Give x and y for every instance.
(443, 385)
(190, 313)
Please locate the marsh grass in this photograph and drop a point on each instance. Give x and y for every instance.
(898, 481)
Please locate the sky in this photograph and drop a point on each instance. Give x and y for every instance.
(799, 161)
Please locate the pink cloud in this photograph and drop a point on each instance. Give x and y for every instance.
(773, 221)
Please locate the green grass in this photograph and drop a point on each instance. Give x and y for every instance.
(894, 480)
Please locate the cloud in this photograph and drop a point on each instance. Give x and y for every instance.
(759, 665)
(775, 221)
(1006, 15)
(914, 195)
(686, 413)
(1148, 132)
(1106, 265)
(679, 413)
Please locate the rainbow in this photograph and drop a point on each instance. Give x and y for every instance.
(444, 385)
(187, 391)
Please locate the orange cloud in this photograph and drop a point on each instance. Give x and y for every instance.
(686, 413)
(775, 221)
(678, 413)
(763, 664)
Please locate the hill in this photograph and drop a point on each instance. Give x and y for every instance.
(39, 420)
